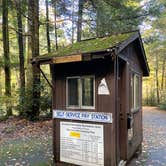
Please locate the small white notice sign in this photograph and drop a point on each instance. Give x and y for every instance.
(103, 88)
(81, 144)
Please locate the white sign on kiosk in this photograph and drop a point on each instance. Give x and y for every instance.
(83, 116)
(81, 144)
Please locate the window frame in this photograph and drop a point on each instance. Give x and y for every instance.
(80, 106)
(135, 108)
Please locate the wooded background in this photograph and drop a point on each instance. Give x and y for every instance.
(30, 28)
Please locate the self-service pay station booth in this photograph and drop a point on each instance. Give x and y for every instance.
(97, 113)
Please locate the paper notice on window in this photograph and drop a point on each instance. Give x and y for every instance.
(81, 144)
(103, 88)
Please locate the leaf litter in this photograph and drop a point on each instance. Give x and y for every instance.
(25, 143)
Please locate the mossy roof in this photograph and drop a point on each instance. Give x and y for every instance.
(92, 45)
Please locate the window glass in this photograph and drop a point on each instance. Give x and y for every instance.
(73, 92)
(80, 92)
(132, 91)
(87, 91)
(135, 91)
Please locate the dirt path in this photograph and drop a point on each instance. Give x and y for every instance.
(154, 143)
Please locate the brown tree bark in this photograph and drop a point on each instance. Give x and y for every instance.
(34, 40)
(72, 35)
(163, 73)
(54, 3)
(98, 23)
(47, 28)
(21, 55)
(79, 22)
(6, 55)
(48, 37)
(157, 80)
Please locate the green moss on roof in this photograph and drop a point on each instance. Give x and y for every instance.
(92, 45)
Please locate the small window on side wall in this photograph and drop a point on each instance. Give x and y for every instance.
(135, 92)
(80, 92)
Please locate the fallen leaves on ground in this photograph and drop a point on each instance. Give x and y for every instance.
(16, 127)
(25, 143)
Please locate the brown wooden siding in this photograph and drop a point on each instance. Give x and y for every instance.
(103, 103)
(131, 55)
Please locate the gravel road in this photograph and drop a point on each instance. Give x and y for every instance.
(154, 142)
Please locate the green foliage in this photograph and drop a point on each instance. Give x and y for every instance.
(163, 106)
(26, 107)
(117, 16)
(155, 41)
(45, 102)
(5, 102)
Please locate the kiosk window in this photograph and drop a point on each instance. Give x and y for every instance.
(73, 92)
(87, 91)
(135, 92)
(80, 92)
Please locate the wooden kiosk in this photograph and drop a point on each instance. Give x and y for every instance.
(97, 92)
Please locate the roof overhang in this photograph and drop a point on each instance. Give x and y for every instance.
(102, 54)
(89, 56)
(136, 38)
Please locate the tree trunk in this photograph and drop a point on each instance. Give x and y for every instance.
(98, 34)
(157, 80)
(47, 28)
(72, 35)
(34, 37)
(54, 3)
(48, 38)
(163, 73)
(21, 56)
(79, 22)
(6, 54)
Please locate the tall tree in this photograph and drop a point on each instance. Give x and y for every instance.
(72, 29)
(6, 53)
(157, 78)
(18, 5)
(79, 22)
(54, 3)
(48, 27)
(115, 16)
(156, 48)
(163, 73)
(33, 7)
